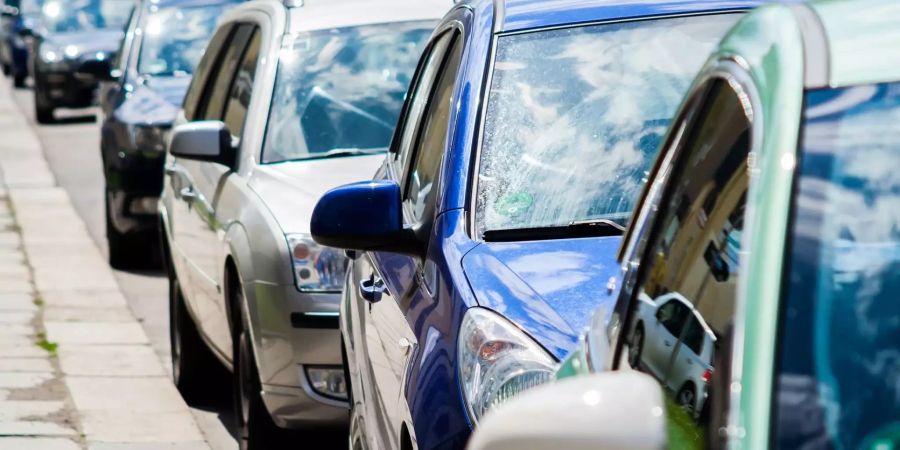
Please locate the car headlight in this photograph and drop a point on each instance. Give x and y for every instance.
(316, 268)
(497, 361)
(50, 53)
(150, 138)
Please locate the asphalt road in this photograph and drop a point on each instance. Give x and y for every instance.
(72, 148)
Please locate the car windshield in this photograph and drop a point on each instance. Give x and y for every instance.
(63, 16)
(174, 38)
(339, 91)
(838, 375)
(575, 116)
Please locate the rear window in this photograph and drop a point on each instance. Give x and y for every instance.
(838, 375)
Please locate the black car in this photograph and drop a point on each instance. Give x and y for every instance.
(17, 20)
(73, 36)
(140, 96)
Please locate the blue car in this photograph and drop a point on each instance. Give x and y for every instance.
(18, 21)
(488, 236)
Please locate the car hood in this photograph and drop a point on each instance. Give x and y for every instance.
(548, 288)
(88, 42)
(291, 189)
(154, 101)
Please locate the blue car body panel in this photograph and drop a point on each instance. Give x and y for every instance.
(550, 289)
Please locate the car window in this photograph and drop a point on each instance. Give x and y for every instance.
(341, 89)
(693, 336)
(242, 88)
(575, 116)
(217, 90)
(418, 98)
(688, 256)
(421, 187)
(66, 16)
(174, 38)
(206, 67)
(672, 315)
(837, 379)
(120, 61)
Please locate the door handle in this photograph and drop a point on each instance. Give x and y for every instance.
(689, 361)
(188, 194)
(668, 344)
(372, 289)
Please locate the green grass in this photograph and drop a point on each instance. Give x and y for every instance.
(43, 343)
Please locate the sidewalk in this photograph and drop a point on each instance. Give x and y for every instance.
(76, 368)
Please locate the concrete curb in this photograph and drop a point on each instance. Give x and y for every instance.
(115, 389)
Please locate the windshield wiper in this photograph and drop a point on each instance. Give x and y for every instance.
(576, 229)
(340, 153)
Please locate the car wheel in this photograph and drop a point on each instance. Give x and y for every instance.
(636, 347)
(43, 110)
(193, 366)
(256, 429)
(686, 398)
(19, 80)
(7, 69)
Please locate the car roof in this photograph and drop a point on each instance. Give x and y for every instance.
(858, 34)
(326, 14)
(518, 15)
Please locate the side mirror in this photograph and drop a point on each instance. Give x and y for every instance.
(9, 11)
(97, 70)
(206, 140)
(25, 32)
(621, 410)
(364, 216)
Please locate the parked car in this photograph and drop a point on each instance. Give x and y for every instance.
(485, 240)
(19, 18)
(73, 35)
(778, 167)
(142, 90)
(286, 103)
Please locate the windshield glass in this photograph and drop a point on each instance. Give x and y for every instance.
(174, 38)
(63, 16)
(575, 117)
(838, 383)
(341, 89)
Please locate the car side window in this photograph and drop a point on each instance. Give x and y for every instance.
(207, 64)
(120, 62)
(242, 87)
(421, 181)
(217, 89)
(419, 94)
(672, 316)
(692, 253)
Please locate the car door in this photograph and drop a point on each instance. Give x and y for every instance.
(390, 341)
(661, 335)
(229, 102)
(706, 167)
(186, 231)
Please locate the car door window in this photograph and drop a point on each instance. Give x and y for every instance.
(691, 254)
(419, 93)
(671, 316)
(217, 90)
(421, 187)
(242, 87)
(208, 63)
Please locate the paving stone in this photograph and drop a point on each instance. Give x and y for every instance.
(148, 446)
(25, 364)
(33, 428)
(23, 380)
(22, 410)
(91, 299)
(95, 333)
(15, 318)
(18, 443)
(153, 394)
(15, 286)
(110, 361)
(11, 330)
(17, 302)
(73, 314)
(26, 350)
(139, 426)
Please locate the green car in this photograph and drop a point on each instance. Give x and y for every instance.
(760, 285)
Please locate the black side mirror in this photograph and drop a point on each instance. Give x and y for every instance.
(97, 70)
(205, 140)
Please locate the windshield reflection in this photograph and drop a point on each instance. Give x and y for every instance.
(174, 38)
(64, 16)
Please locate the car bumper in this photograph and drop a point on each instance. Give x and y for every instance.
(59, 86)
(134, 182)
(304, 326)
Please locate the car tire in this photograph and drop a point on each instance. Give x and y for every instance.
(19, 80)
(255, 427)
(687, 398)
(7, 69)
(636, 348)
(43, 110)
(194, 368)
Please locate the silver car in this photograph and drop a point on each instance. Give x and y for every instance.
(286, 103)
